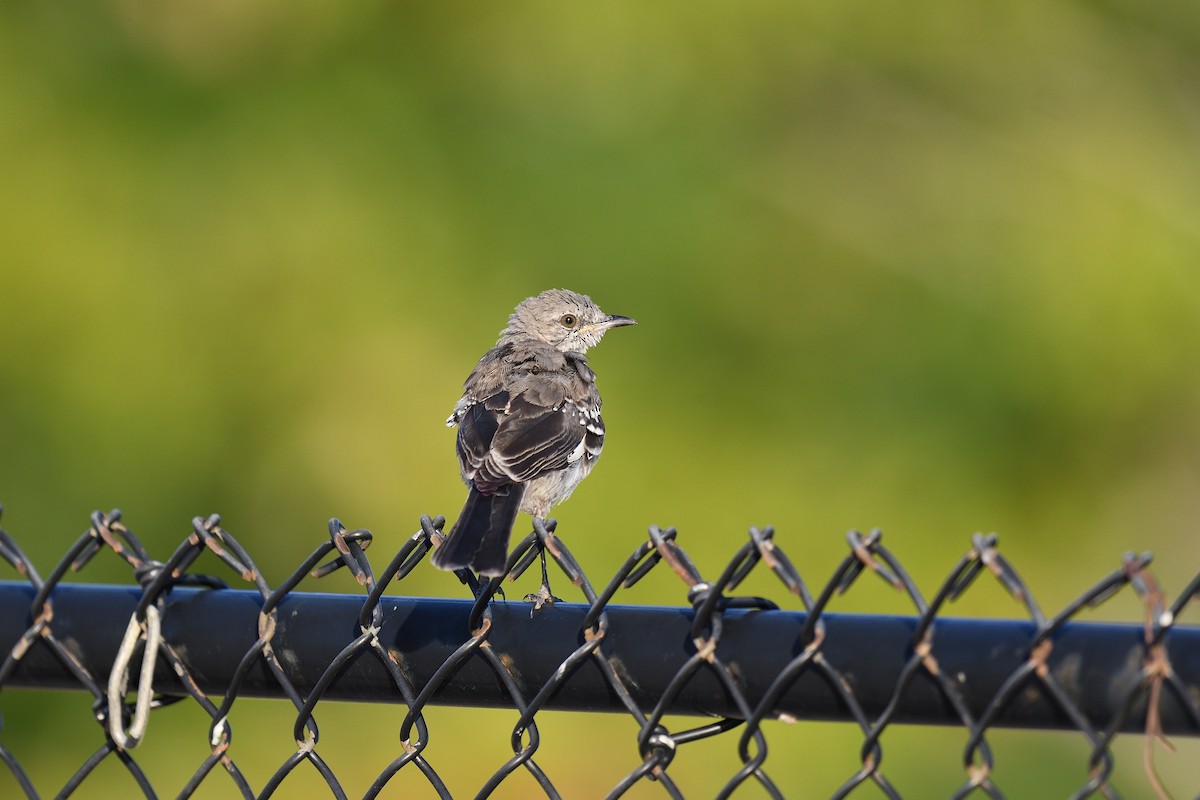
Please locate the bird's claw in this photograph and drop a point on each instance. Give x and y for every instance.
(542, 597)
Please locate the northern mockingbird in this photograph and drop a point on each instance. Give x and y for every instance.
(529, 426)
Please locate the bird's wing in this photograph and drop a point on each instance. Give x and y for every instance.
(477, 424)
(504, 440)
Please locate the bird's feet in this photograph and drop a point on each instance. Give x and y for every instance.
(542, 597)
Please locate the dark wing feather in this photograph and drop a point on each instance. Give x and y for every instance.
(532, 441)
(503, 441)
(476, 428)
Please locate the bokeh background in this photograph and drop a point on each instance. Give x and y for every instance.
(931, 268)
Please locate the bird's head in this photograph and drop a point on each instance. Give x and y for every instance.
(563, 319)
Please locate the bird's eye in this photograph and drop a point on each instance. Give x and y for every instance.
(568, 320)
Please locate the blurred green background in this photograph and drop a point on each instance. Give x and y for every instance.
(927, 268)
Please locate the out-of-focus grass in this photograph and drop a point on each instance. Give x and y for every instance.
(930, 271)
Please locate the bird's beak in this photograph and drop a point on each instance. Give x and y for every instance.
(598, 329)
(615, 321)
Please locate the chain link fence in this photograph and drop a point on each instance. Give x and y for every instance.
(740, 662)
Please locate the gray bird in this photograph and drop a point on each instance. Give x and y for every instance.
(529, 426)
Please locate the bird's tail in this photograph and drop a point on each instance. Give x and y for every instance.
(479, 538)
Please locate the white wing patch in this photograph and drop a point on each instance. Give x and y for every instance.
(461, 408)
(589, 420)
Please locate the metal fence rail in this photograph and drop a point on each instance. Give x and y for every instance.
(740, 661)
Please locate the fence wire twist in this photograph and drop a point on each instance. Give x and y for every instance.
(123, 720)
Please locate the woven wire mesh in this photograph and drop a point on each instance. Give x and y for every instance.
(124, 698)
